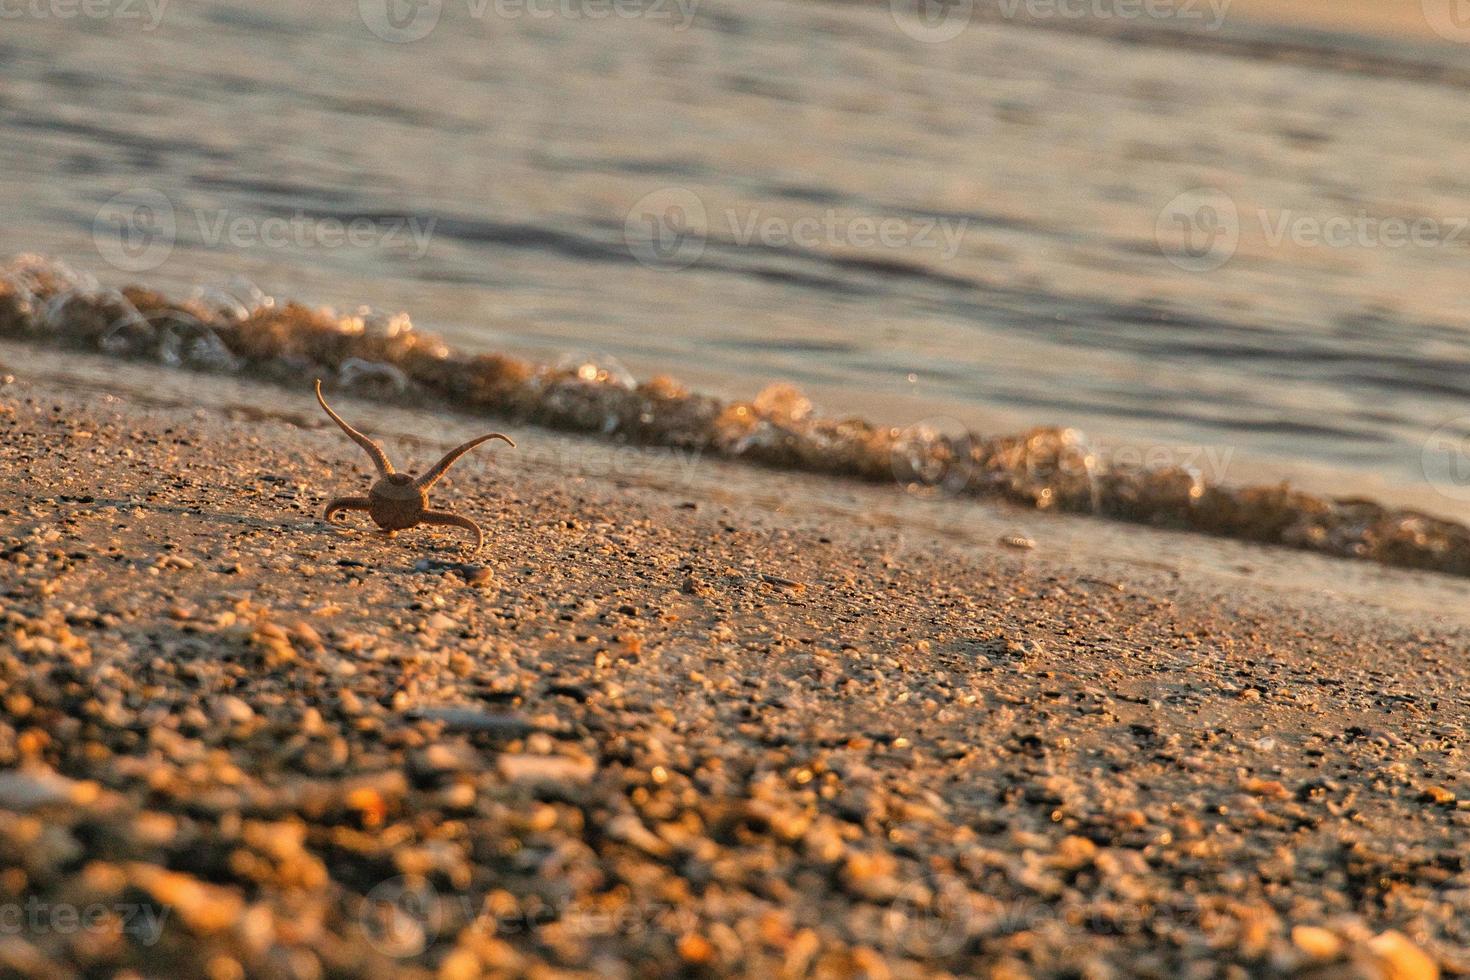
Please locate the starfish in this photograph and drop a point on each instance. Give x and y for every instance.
(398, 501)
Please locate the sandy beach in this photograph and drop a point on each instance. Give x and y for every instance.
(676, 717)
(989, 493)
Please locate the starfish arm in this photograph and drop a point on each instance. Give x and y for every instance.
(450, 458)
(375, 451)
(454, 520)
(344, 503)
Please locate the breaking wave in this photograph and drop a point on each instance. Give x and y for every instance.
(239, 329)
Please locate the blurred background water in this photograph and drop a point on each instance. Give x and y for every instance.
(1236, 227)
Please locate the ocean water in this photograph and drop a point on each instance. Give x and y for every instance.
(1234, 247)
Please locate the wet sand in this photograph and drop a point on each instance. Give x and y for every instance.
(676, 716)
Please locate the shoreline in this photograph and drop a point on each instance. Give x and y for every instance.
(685, 720)
(1048, 469)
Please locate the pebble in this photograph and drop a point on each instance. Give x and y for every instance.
(522, 768)
(232, 710)
(1438, 795)
(439, 759)
(1022, 648)
(630, 830)
(204, 908)
(695, 950)
(1399, 959)
(1074, 853)
(1316, 942)
(35, 787)
(472, 574)
(1270, 788)
(505, 726)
